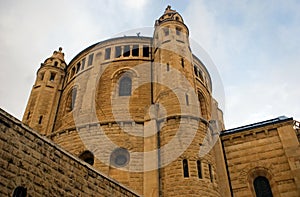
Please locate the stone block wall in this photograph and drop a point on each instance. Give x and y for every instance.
(35, 163)
(270, 151)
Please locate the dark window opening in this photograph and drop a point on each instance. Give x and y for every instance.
(55, 63)
(262, 187)
(107, 53)
(40, 119)
(166, 31)
(135, 50)
(52, 76)
(28, 115)
(90, 60)
(201, 75)
(71, 100)
(202, 104)
(118, 51)
(210, 173)
(185, 168)
(168, 67)
(178, 31)
(72, 72)
(42, 76)
(177, 18)
(20, 191)
(182, 62)
(126, 51)
(199, 169)
(196, 71)
(125, 86)
(82, 63)
(87, 156)
(187, 99)
(77, 67)
(145, 51)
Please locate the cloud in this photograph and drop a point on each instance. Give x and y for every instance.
(255, 46)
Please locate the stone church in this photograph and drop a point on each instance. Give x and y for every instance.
(135, 116)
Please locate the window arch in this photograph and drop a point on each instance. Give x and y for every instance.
(185, 167)
(71, 99)
(20, 191)
(199, 169)
(125, 85)
(202, 105)
(262, 187)
(87, 156)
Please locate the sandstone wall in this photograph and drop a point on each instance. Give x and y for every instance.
(44, 169)
(271, 151)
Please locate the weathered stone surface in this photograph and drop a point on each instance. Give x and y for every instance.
(27, 166)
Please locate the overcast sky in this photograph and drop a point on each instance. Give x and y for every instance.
(255, 46)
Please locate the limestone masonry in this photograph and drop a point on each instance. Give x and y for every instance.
(135, 116)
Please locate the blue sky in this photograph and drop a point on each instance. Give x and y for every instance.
(254, 45)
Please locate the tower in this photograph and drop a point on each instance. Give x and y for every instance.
(183, 94)
(44, 98)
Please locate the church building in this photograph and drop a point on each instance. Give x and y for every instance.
(135, 116)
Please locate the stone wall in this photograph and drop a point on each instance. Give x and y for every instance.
(271, 151)
(34, 162)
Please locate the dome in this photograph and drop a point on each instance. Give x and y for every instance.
(170, 15)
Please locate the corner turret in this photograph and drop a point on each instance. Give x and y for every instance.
(45, 94)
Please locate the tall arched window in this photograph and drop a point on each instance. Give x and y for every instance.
(71, 100)
(199, 169)
(262, 187)
(125, 86)
(87, 156)
(202, 105)
(185, 167)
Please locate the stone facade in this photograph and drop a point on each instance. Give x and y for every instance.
(140, 111)
(268, 149)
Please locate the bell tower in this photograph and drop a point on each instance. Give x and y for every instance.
(182, 115)
(44, 98)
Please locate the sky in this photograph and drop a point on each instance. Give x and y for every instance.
(255, 46)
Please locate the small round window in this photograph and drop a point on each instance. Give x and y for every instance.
(119, 157)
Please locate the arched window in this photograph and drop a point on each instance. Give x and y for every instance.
(185, 167)
(199, 169)
(71, 100)
(262, 187)
(125, 86)
(202, 105)
(20, 191)
(210, 173)
(87, 156)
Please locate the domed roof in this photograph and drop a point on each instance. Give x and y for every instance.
(59, 54)
(170, 15)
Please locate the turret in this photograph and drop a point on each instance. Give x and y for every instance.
(45, 94)
(183, 116)
(171, 53)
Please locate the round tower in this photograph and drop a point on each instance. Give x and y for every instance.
(182, 92)
(44, 98)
